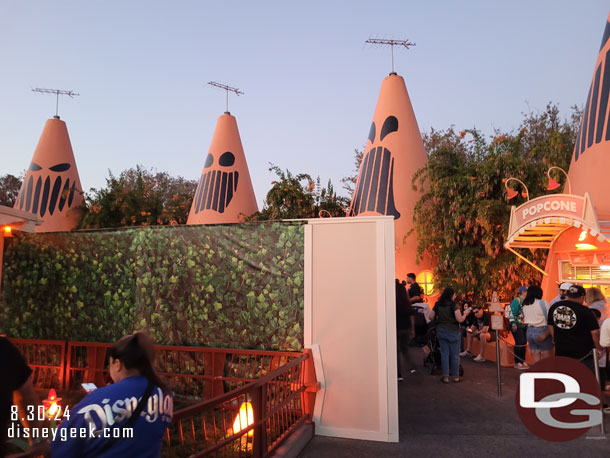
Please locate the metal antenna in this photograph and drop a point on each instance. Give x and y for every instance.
(384, 42)
(57, 92)
(226, 88)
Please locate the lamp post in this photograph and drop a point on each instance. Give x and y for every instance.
(511, 192)
(554, 184)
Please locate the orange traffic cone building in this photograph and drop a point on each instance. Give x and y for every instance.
(585, 248)
(394, 152)
(224, 193)
(51, 188)
(591, 158)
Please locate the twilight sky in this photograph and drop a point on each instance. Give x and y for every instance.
(310, 82)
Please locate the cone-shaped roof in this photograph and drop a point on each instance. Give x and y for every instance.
(590, 164)
(394, 152)
(51, 188)
(224, 192)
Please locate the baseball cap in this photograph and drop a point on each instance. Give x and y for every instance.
(522, 289)
(576, 291)
(565, 286)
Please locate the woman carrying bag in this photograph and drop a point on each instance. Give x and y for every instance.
(448, 319)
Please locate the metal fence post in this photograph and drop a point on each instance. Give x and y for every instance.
(259, 447)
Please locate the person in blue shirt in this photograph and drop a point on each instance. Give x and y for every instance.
(101, 425)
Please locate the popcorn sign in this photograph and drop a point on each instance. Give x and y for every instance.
(555, 205)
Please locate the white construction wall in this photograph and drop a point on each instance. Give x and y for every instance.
(350, 325)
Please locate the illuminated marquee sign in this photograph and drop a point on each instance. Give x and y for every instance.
(556, 205)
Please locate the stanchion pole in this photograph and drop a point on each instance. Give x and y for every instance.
(498, 364)
(601, 407)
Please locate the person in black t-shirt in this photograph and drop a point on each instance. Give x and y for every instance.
(477, 327)
(574, 328)
(16, 377)
(405, 329)
(415, 292)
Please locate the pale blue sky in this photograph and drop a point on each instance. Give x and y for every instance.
(310, 83)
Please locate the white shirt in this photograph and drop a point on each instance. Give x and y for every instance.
(604, 334)
(532, 314)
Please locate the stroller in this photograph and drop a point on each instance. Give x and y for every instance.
(433, 359)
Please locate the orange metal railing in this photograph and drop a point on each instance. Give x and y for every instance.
(47, 358)
(280, 401)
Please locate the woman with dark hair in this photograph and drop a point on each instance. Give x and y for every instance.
(535, 317)
(448, 322)
(127, 418)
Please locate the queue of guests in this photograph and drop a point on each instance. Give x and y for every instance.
(565, 326)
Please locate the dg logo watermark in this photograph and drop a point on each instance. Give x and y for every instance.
(559, 399)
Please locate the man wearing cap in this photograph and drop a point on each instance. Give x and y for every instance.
(563, 288)
(517, 327)
(574, 328)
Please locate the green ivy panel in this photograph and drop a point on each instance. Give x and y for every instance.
(237, 285)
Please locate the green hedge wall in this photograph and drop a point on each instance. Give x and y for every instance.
(238, 285)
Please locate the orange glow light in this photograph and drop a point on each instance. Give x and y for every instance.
(585, 246)
(244, 418)
(8, 230)
(51, 405)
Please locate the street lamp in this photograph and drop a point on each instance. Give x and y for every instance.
(511, 192)
(554, 184)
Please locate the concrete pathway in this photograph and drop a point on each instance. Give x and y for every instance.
(461, 420)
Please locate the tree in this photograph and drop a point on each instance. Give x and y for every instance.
(299, 196)
(138, 197)
(9, 189)
(462, 216)
(349, 182)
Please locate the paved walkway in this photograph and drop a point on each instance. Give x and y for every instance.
(461, 420)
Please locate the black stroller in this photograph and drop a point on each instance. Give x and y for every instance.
(433, 358)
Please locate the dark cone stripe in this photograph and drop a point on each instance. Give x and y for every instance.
(593, 116)
(54, 194)
(64, 195)
(374, 181)
(21, 195)
(204, 191)
(28, 198)
(367, 180)
(216, 190)
(383, 182)
(45, 196)
(223, 193)
(375, 190)
(36, 196)
(230, 188)
(210, 190)
(198, 194)
(71, 194)
(603, 102)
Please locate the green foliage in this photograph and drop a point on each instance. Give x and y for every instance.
(463, 214)
(9, 189)
(138, 197)
(235, 286)
(298, 196)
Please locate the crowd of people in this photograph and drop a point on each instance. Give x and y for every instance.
(573, 324)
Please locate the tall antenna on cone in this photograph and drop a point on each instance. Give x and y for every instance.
(228, 89)
(57, 92)
(384, 42)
